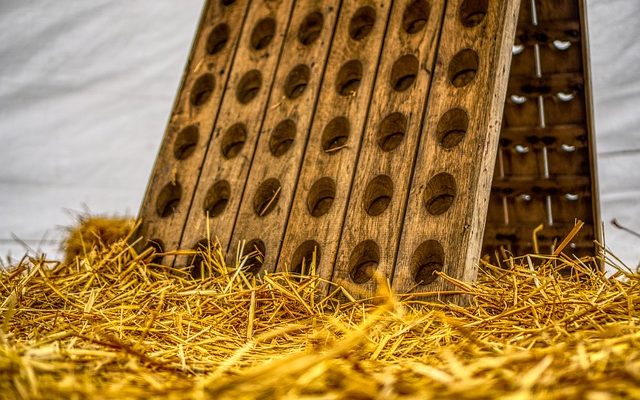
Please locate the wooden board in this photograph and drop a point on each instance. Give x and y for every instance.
(546, 170)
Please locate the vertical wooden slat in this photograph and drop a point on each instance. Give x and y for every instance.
(284, 135)
(447, 204)
(175, 174)
(326, 175)
(224, 171)
(391, 137)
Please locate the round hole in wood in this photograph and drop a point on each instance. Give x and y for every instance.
(349, 78)
(426, 261)
(463, 68)
(201, 90)
(158, 248)
(378, 195)
(310, 28)
(440, 193)
(186, 142)
(297, 81)
(233, 140)
(404, 72)
(362, 22)
(254, 251)
(473, 12)
(282, 137)
(336, 135)
(452, 128)
(364, 261)
(217, 198)
(392, 131)
(415, 16)
(321, 197)
(249, 86)
(168, 199)
(227, 2)
(266, 197)
(263, 33)
(218, 38)
(303, 257)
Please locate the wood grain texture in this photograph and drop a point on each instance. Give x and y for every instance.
(447, 204)
(281, 145)
(392, 133)
(326, 175)
(222, 180)
(175, 174)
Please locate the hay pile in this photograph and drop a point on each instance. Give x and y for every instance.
(114, 325)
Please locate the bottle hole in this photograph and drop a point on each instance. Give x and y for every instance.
(266, 197)
(310, 28)
(362, 22)
(297, 81)
(217, 198)
(282, 137)
(415, 16)
(201, 90)
(263, 33)
(473, 12)
(452, 128)
(404, 72)
(392, 131)
(217, 39)
(249, 86)
(426, 261)
(378, 195)
(254, 252)
(304, 257)
(186, 142)
(336, 134)
(364, 261)
(440, 193)
(321, 196)
(463, 68)
(233, 140)
(349, 78)
(168, 199)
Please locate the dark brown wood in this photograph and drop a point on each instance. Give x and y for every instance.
(546, 170)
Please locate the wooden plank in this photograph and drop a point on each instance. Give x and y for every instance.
(447, 205)
(281, 145)
(228, 159)
(329, 162)
(392, 134)
(174, 177)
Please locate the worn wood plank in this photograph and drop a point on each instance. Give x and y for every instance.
(326, 175)
(447, 205)
(175, 174)
(372, 230)
(281, 145)
(228, 159)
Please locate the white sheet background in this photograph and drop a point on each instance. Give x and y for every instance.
(86, 88)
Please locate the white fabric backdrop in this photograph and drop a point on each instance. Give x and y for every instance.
(86, 88)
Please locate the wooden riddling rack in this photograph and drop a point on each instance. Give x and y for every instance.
(546, 166)
(358, 136)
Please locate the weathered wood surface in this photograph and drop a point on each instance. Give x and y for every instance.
(176, 171)
(329, 163)
(546, 169)
(449, 195)
(393, 129)
(282, 142)
(217, 198)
